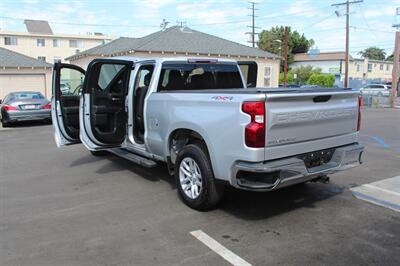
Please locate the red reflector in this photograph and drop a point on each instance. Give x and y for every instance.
(9, 108)
(255, 130)
(360, 103)
(47, 106)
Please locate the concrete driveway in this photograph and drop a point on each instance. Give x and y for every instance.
(67, 207)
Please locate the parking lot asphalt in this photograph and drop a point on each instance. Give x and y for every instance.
(67, 207)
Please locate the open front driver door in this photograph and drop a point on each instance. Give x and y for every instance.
(67, 85)
(249, 71)
(103, 117)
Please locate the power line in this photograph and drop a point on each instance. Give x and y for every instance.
(347, 4)
(253, 26)
(86, 24)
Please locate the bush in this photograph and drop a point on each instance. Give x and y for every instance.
(290, 78)
(323, 80)
(305, 72)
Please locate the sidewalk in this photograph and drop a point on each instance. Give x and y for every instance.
(384, 193)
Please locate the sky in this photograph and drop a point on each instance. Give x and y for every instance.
(370, 22)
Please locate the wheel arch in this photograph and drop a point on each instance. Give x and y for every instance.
(180, 137)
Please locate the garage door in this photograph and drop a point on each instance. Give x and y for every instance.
(21, 82)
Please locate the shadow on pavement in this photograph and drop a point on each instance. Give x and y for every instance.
(261, 205)
(116, 164)
(245, 205)
(28, 124)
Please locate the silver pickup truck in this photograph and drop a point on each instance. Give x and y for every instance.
(207, 122)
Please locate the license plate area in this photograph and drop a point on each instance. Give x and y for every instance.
(317, 158)
(29, 107)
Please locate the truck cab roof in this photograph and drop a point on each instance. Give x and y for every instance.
(175, 59)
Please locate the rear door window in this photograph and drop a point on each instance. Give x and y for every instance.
(190, 76)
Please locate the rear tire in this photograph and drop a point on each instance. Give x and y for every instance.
(99, 153)
(193, 168)
(5, 124)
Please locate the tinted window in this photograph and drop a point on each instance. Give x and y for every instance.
(186, 76)
(27, 95)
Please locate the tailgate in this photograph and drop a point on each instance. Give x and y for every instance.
(296, 117)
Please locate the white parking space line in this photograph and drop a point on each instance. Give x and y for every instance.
(228, 255)
(384, 193)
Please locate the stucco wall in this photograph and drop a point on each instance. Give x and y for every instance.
(27, 45)
(12, 79)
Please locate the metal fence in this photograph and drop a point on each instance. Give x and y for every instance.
(376, 101)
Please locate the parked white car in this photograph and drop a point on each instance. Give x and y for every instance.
(376, 90)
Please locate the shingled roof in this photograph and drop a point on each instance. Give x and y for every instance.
(10, 58)
(175, 39)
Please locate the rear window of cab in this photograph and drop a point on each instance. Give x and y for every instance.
(204, 76)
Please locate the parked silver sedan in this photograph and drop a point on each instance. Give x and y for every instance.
(24, 106)
(376, 90)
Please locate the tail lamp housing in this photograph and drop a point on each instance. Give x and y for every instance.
(255, 130)
(47, 106)
(9, 108)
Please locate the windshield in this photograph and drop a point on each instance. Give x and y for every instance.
(26, 95)
(189, 76)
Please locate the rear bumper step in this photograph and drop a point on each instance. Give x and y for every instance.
(272, 175)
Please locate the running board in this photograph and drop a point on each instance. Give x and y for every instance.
(133, 157)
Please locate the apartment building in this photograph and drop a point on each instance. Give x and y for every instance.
(41, 43)
(359, 68)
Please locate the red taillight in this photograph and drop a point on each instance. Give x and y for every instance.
(255, 130)
(9, 108)
(360, 103)
(47, 106)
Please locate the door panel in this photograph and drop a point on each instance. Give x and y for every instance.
(105, 91)
(67, 84)
(249, 71)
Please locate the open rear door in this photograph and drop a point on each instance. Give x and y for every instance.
(67, 88)
(103, 114)
(249, 71)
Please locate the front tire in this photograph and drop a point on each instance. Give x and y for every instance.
(195, 180)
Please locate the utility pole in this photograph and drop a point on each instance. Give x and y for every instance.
(253, 26)
(346, 70)
(396, 60)
(286, 56)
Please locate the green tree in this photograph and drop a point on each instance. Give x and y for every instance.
(323, 80)
(390, 57)
(374, 53)
(273, 41)
(303, 73)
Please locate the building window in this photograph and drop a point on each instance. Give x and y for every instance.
(369, 67)
(381, 67)
(387, 67)
(358, 67)
(267, 76)
(10, 41)
(40, 42)
(56, 43)
(42, 58)
(76, 43)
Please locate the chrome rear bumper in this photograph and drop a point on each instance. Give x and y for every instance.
(289, 171)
